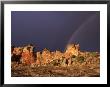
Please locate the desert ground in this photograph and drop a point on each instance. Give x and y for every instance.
(76, 70)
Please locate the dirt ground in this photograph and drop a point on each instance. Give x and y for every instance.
(20, 70)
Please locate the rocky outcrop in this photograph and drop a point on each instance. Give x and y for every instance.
(16, 53)
(27, 55)
(72, 53)
(72, 49)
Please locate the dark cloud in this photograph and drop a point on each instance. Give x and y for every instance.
(55, 29)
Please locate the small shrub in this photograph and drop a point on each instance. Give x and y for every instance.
(73, 56)
(63, 62)
(93, 54)
(74, 59)
(80, 59)
(55, 62)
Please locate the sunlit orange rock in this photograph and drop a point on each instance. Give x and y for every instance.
(27, 55)
(39, 58)
(72, 49)
(58, 55)
(46, 56)
(17, 50)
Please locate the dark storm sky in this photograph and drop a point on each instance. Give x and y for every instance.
(54, 30)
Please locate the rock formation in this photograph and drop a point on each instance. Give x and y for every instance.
(27, 55)
(45, 57)
(16, 53)
(72, 49)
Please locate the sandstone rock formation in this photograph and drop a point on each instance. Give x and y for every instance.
(45, 57)
(72, 49)
(16, 53)
(27, 55)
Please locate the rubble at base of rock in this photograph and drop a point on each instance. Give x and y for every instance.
(72, 55)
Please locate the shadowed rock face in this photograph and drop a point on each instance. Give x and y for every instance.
(16, 53)
(26, 55)
(23, 54)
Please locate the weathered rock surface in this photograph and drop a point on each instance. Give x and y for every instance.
(72, 62)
